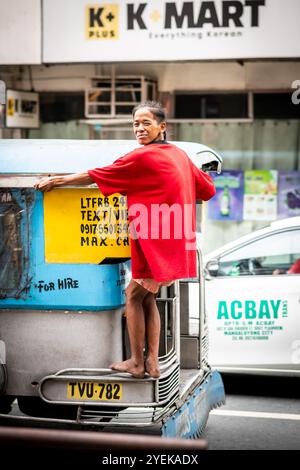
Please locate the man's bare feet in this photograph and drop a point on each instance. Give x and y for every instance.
(131, 367)
(152, 367)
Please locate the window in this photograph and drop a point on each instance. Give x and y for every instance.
(226, 105)
(117, 96)
(278, 253)
(58, 107)
(275, 106)
(211, 106)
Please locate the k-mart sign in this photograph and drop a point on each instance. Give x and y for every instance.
(124, 30)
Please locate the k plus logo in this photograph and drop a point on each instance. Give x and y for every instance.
(188, 15)
(102, 21)
(296, 94)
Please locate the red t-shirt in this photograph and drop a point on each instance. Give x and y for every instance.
(295, 268)
(161, 184)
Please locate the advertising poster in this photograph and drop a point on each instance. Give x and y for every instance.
(260, 198)
(288, 193)
(227, 204)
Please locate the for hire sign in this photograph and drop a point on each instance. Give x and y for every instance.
(163, 30)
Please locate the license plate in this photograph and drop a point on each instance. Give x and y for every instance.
(94, 391)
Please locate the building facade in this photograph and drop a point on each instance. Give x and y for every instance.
(228, 74)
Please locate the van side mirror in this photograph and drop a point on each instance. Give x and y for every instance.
(212, 267)
(209, 160)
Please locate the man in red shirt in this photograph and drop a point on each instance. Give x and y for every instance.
(161, 184)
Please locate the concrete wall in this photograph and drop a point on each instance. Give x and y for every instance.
(20, 32)
(12, 76)
(187, 76)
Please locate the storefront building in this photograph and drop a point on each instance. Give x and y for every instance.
(228, 73)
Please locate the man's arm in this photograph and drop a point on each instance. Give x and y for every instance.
(46, 184)
(205, 188)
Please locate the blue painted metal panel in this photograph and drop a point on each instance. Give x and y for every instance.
(55, 286)
(189, 421)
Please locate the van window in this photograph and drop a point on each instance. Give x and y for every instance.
(278, 253)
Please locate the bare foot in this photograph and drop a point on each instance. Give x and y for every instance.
(152, 367)
(131, 367)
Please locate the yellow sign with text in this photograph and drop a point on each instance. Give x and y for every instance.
(102, 21)
(84, 226)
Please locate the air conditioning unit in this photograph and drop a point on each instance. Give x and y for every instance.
(116, 96)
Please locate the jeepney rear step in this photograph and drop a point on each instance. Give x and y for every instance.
(185, 415)
(108, 388)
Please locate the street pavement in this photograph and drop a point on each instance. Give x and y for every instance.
(261, 413)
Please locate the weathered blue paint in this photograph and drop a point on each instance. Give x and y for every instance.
(190, 419)
(57, 286)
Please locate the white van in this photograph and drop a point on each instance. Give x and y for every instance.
(253, 301)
